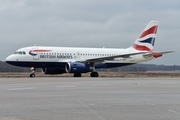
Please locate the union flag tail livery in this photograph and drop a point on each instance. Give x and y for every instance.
(146, 40)
(60, 60)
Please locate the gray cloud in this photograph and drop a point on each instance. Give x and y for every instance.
(84, 23)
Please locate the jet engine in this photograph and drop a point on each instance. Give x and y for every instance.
(77, 67)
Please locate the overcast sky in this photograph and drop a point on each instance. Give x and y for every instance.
(88, 23)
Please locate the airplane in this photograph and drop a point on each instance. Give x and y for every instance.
(76, 60)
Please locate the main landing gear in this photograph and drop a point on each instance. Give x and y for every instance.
(93, 74)
(77, 74)
(33, 72)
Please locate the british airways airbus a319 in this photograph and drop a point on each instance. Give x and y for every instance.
(59, 60)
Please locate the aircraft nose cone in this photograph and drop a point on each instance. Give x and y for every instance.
(9, 59)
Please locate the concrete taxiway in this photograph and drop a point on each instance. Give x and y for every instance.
(89, 98)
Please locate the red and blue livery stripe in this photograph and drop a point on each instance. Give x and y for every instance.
(152, 30)
(141, 47)
(146, 40)
(35, 52)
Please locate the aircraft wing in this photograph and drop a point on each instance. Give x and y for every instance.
(101, 59)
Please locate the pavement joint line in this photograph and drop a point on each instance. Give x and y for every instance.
(101, 84)
(168, 83)
(30, 88)
(171, 111)
(66, 86)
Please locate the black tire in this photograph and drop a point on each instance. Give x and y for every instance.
(32, 75)
(77, 74)
(94, 74)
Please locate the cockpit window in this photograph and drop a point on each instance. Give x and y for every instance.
(20, 52)
(15, 53)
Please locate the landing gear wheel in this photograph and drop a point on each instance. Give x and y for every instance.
(32, 75)
(77, 74)
(94, 74)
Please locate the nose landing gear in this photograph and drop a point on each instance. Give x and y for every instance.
(33, 72)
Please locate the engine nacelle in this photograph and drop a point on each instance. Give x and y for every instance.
(53, 71)
(77, 67)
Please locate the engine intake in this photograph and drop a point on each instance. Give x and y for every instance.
(77, 67)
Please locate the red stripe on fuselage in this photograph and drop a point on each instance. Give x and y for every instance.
(39, 50)
(152, 30)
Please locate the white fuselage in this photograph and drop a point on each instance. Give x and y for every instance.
(45, 55)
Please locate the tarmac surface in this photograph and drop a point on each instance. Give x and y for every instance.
(89, 99)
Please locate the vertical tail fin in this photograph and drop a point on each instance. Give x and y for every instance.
(146, 40)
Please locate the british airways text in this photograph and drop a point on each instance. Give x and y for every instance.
(57, 56)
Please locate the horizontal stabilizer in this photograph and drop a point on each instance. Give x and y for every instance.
(163, 52)
(156, 54)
